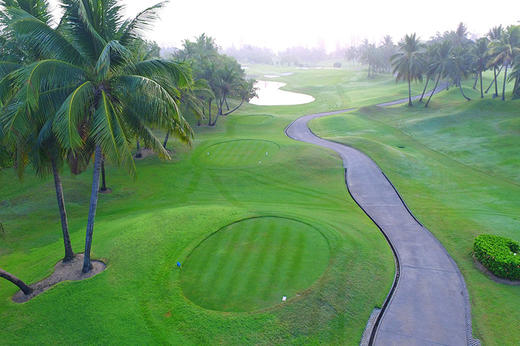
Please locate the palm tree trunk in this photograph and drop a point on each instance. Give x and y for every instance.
(516, 88)
(424, 90)
(234, 109)
(476, 80)
(494, 79)
(92, 210)
(209, 112)
(69, 254)
(21, 285)
(227, 105)
(409, 92)
(462, 92)
(496, 86)
(481, 89)
(433, 91)
(504, 85)
(138, 150)
(103, 177)
(166, 139)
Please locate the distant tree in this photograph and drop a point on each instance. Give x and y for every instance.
(480, 59)
(505, 50)
(460, 67)
(440, 64)
(222, 73)
(428, 66)
(495, 35)
(408, 63)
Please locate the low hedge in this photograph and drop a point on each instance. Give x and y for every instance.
(499, 255)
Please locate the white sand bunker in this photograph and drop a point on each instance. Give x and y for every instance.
(283, 74)
(269, 94)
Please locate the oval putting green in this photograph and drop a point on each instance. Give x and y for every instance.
(251, 264)
(239, 153)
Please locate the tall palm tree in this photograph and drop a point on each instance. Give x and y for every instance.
(408, 63)
(515, 75)
(429, 72)
(109, 99)
(505, 50)
(480, 59)
(460, 67)
(45, 155)
(495, 35)
(441, 64)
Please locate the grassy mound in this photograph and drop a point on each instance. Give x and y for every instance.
(498, 254)
(249, 265)
(239, 153)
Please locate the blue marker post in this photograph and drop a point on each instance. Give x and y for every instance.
(179, 265)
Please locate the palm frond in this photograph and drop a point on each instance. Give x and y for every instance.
(45, 41)
(132, 29)
(66, 123)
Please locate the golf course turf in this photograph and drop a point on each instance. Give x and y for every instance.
(251, 264)
(146, 225)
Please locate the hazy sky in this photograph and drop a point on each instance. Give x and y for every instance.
(278, 24)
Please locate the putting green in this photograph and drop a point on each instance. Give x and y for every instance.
(251, 264)
(254, 119)
(239, 153)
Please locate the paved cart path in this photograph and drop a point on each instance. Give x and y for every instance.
(428, 303)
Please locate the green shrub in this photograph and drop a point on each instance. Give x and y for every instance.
(498, 254)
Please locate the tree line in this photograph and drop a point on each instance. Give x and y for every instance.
(452, 57)
(83, 90)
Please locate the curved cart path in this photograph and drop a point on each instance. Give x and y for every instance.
(428, 303)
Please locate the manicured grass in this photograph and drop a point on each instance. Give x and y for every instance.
(456, 165)
(239, 153)
(250, 265)
(148, 224)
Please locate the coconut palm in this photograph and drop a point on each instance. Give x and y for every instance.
(505, 50)
(408, 63)
(480, 59)
(441, 64)
(429, 71)
(495, 35)
(515, 75)
(45, 155)
(106, 99)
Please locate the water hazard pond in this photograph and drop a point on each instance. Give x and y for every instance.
(269, 94)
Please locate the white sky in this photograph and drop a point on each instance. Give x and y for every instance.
(278, 24)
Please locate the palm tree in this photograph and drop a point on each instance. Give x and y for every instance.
(408, 63)
(481, 58)
(459, 69)
(495, 35)
(428, 57)
(44, 153)
(108, 98)
(505, 50)
(515, 75)
(441, 64)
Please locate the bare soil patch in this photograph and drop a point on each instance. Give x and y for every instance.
(69, 271)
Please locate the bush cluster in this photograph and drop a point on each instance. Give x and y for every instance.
(499, 255)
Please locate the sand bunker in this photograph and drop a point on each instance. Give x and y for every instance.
(269, 94)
